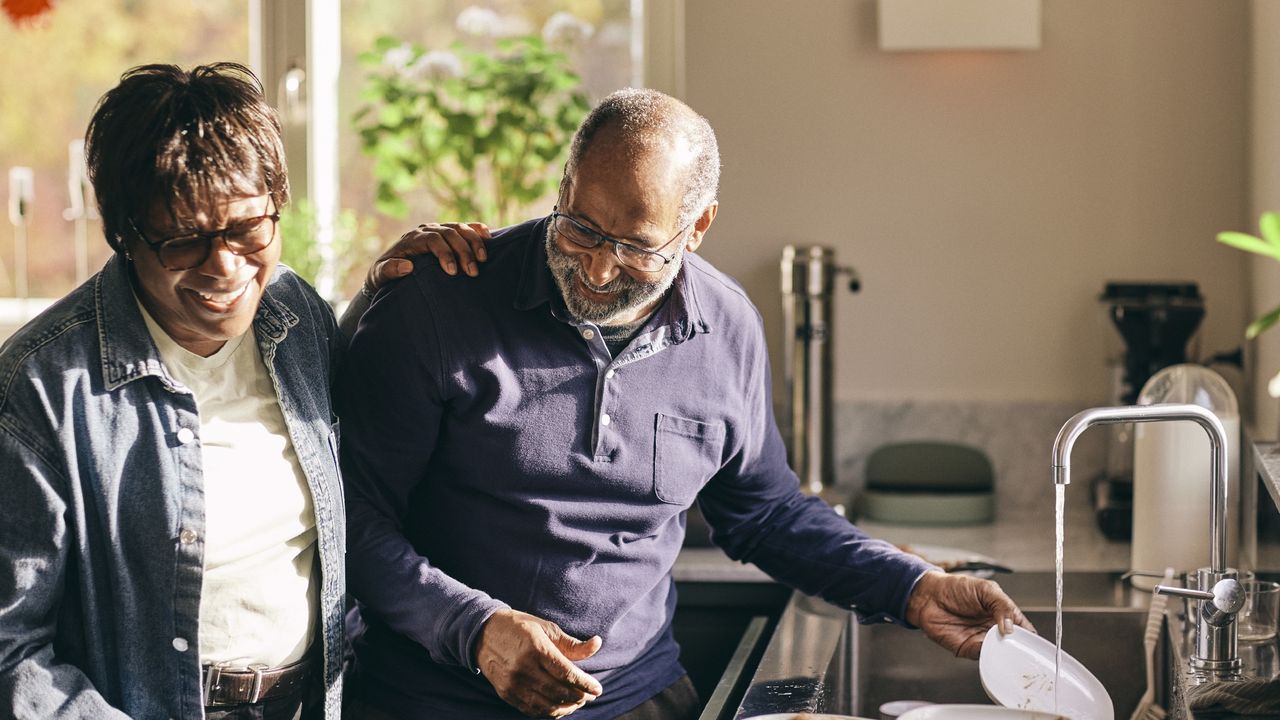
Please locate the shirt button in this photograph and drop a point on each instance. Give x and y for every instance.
(609, 375)
(180, 644)
(588, 333)
(185, 435)
(187, 536)
(605, 419)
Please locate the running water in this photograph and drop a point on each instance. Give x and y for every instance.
(1059, 503)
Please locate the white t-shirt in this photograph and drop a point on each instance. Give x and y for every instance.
(259, 600)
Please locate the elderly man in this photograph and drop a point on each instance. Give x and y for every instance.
(520, 450)
(172, 530)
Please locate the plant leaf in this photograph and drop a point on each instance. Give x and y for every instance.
(1249, 243)
(1270, 227)
(1257, 326)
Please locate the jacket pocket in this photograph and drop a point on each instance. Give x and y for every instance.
(686, 454)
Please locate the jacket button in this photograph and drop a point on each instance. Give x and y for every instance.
(185, 435)
(588, 333)
(180, 644)
(187, 536)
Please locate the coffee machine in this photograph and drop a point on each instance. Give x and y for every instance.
(1154, 322)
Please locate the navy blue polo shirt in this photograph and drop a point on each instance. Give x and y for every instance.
(496, 455)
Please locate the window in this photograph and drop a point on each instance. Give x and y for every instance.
(77, 51)
(604, 61)
(67, 60)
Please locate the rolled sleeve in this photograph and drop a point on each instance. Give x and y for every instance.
(33, 561)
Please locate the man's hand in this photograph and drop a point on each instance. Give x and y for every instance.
(451, 243)
(530, 662)
(955, 611)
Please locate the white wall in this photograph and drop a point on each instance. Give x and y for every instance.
(1265, 195)
(985, 197)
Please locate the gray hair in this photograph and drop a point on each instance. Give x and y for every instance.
(643, 117)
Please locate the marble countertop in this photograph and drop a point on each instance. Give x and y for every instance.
(1022, 541)
(1021, 538)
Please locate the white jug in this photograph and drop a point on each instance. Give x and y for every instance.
(1171, 475)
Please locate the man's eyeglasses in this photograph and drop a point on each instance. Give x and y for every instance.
(188, 250)
(634, 257)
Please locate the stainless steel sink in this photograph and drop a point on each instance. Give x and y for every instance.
(889, 663)
(1103, 624)
(1079, 590)
(819, 661)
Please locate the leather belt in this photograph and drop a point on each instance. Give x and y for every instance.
(254, 684)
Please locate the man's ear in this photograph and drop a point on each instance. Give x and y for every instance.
(700, 226)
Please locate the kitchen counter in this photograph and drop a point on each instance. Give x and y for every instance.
(803, 662)
(1023, 541)
(802, 665)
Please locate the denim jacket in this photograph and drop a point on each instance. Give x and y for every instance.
(102, 503)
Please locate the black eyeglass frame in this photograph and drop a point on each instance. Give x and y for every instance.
(618, 245)
(208, 238)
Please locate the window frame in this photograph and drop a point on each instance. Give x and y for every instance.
(285, 36)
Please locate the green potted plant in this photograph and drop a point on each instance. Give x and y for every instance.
(355, 241)
(483, 129)
(1268, 245)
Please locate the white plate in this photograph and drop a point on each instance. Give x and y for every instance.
(976, 712)
(1017, 672)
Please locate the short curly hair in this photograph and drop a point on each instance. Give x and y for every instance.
(189, 140)
(640, 116)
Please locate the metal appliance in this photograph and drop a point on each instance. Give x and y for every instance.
(808, 278)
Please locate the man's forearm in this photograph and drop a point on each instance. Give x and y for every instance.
(808, 546)
(410, 595)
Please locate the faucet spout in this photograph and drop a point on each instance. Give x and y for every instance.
(1216, 655)
(1086, 419)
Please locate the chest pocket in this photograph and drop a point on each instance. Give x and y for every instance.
(686, 454)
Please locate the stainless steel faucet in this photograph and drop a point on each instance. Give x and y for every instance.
(1219, 596)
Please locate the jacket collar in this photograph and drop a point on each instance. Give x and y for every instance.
(126, 349)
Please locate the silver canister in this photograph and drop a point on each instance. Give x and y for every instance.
(808, 279)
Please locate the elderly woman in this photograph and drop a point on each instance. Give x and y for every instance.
(171, 534)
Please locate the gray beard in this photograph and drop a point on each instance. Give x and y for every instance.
(629, 294)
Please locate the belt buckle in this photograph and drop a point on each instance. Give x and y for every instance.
(256, 693)
(212, 674)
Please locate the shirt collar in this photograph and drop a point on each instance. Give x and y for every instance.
(536, 285)
(682, 311)
(126, 349)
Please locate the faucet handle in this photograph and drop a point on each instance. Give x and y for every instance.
(1222, 603)
(1183, 592)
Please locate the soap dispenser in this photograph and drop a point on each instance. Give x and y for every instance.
(1171, 495)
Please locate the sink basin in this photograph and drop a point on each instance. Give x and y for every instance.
(1103, 622)
(889, 663)
(1080, 589)
(819, 661)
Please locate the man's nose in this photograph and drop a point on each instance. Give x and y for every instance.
(600, 264)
